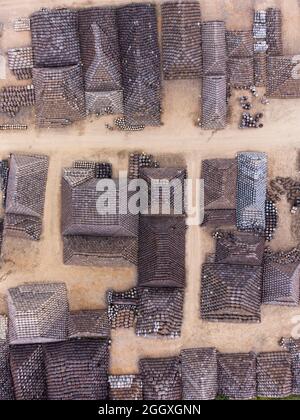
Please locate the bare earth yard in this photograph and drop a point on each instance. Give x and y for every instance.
(25, 261)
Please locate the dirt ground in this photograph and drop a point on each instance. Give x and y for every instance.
(25, 261)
